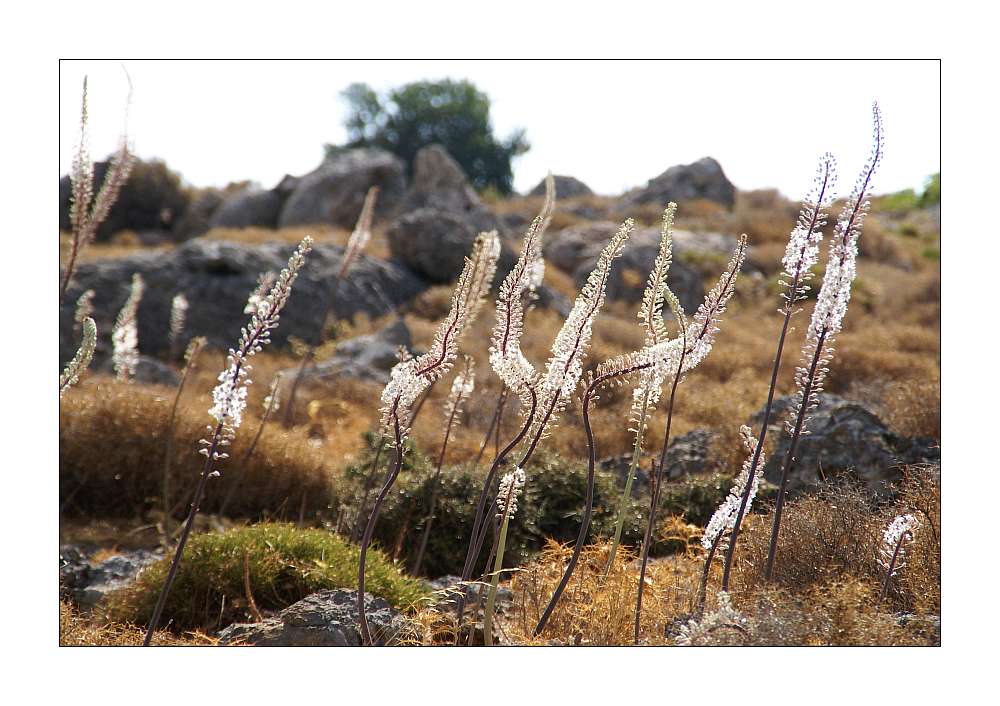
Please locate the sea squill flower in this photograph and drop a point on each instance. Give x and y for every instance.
(125, 334)
(81, 361)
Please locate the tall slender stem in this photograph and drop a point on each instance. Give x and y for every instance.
(390, 478)
(657, 487)
(369, 484)
(904, 536)
(246, 457)
(199, 494)
(168, 454)
(703, 586)
(495, 579)
(489, 429)
(772, 549)
(429, 519)
(588, 506)
(627, 492)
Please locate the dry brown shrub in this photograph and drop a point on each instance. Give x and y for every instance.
(829, 535)
(76, 630)
(112, 440)
(596, 612)
(913, 407)
(918, 584)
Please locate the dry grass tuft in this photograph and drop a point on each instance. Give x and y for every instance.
(76, 630)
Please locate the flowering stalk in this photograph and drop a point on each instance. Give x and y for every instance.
(178, 316)
(656, 473)
(87, 212)
(81, 361)
(461, 389)
(892, 551)
(727, 515)
(125, 334)
(84, 309)
(827, 320)
(510, 486)
(409, 378)
(229, 399)
(272, 402)
(801, 254)
(193, 349)
(646, 394)
(693, 346)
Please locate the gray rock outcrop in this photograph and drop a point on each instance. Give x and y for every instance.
(217, 278)
(703, 179)
(844, 437)
(335, 191)
(567, 187)
(327, 618)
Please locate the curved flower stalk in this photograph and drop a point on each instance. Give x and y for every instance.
(87, 212)
(723, 521)
(410, 377)
(543, 395)
(656, 472)
(891, 553)
(680, 354)
(647, 392)
(510, 487)
(84, 309)
(81, 361)
(801, 254)
(125, 334)
(178, 317)
(461, 389)
(190, 356)
(827, 320)
(229, 401)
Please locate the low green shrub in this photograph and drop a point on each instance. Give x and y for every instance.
(284, 564)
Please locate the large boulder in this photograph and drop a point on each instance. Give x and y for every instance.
(327, 618)
(567, 187)
(335, 191)
(217, 277)
(687, 455)
(152, 199)
(441, 217)
(197, 219)
(249, 207)
(844, 437)
(368, 357)
(703, 179)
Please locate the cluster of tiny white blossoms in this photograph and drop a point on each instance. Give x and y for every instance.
(125, 334)
(264, 283)
(695, 341)
(835, 292)
(178, 315)
(462, 388)
(509, 489)
(725, 616)
(897, 534)
(802, 251)
(411, 376)
(565, 366)
(724, 518)
(229, 396)
(81, 361)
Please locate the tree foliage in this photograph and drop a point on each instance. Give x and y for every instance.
(454, 114)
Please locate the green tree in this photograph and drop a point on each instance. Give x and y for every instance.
(454, 114)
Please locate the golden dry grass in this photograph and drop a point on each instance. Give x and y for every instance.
(77, 630)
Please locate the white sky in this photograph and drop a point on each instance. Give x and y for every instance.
(613, 124)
